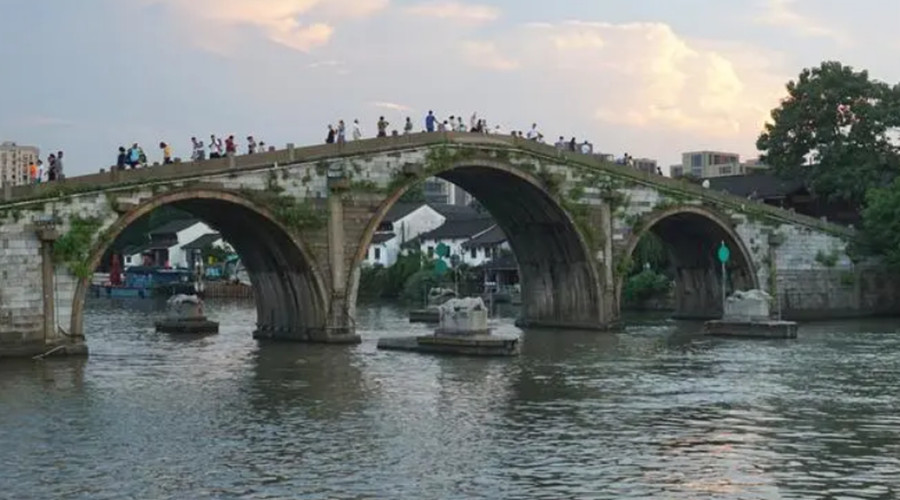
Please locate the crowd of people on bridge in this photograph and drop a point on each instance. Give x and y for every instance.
(217, 147)
(54, 170)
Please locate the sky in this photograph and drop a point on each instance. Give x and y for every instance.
(652, 78)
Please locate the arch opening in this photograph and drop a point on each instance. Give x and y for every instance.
(691, 237)
(559, 283)
(288, 292)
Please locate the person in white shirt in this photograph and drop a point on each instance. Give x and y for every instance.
(215, 146)
(586, 148)
(357, 132)
(473, 122)
(198, 152)
(533, 133)
(408, 126)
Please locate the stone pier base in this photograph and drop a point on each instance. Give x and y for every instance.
(309, 335)
(64, 347)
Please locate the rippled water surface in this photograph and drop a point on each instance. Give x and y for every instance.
(654, 412)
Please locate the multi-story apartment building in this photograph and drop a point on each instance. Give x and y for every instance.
(709, 164)
(706, 164)
(15, 161)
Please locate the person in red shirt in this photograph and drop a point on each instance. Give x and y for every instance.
(230, 148)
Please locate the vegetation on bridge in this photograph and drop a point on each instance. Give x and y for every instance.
(837, 131)
(74, 247)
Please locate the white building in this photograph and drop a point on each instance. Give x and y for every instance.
(485, 247)
(166, 245)
(15, 161)
(454, 233)
(403, 223)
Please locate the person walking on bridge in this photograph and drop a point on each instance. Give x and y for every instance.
(429, 122)
(167, 153)
(408, 126)
(382, 127)
(341, 132)
(357, 132)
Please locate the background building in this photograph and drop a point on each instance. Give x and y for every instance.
(706, 164)
(14, 162)
(439, 191)
(644, 165)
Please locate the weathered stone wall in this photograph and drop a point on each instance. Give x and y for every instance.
(608, 205)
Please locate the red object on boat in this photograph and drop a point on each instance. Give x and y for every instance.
(115, 271)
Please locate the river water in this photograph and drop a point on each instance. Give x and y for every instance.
(656, 411)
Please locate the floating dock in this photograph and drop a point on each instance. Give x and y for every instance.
(763, 329)
(196, 325)
(466, 345)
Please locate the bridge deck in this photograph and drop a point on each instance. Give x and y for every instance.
(111, 179)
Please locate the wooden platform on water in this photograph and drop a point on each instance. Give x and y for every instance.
(770, 329)
(465, 345)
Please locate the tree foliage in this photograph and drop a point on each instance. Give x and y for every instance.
(881, 223)
(836, 130)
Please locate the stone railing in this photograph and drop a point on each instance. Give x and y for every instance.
(197, 170)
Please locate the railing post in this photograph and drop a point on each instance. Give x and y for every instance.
(231, 160)
(291, 152)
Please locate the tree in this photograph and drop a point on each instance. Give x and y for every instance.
(881, 223)
(835, 130)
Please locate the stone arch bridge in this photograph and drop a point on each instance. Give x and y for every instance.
(302, 218)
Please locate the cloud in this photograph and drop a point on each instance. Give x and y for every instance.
(641, 75)
(486, 55)
(302, 25)
(391, 105)
(45, 121)
(782, 13)
(456, 11)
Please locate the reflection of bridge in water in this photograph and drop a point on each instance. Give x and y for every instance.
(302, 219)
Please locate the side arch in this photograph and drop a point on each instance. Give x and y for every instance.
(692, 235)
(289, 290)
(561, 285)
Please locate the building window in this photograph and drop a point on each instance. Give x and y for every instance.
(697, 160)
(430, 251)
(473, 252)
(727, 170)
(377, 254)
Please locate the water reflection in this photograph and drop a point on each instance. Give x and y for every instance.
(652, 411)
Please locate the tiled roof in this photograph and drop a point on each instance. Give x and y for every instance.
(400, 210)
(458, 229)
(174, 226)
(491, 237)
(764, 185)
(203, 241)
(382, 237)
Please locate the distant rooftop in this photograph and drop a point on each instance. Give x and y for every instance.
(174, 226)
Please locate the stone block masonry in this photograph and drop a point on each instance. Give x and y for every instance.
(302, 218)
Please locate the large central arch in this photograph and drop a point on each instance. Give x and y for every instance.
(290, 294)
(692, 236)
(560, 282)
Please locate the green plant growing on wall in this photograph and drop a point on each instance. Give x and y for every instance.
(73, 248)
(272, 185)
(827, 259)
(295, 214)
